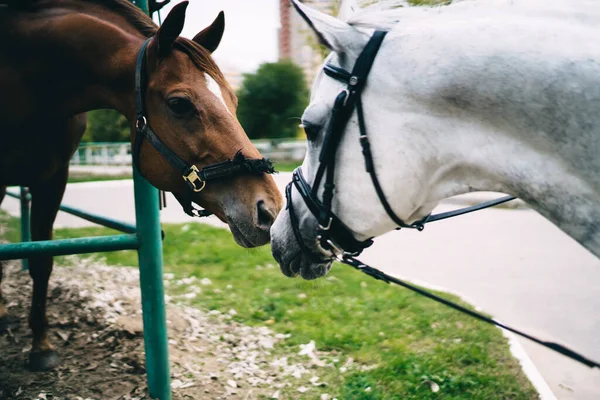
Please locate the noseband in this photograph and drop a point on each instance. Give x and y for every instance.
(334, 238)
(195, 178)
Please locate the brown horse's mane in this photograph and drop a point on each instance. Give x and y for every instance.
(146, 26)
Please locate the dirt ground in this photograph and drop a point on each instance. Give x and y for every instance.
(95, 324)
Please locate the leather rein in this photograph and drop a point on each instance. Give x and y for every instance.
(334, 240)
(194, 177)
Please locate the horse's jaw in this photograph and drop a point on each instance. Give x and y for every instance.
(290, 257)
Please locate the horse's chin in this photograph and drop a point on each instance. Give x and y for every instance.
(298, 263)
(245, 236)
(291, 259)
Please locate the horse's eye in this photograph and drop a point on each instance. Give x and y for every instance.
(311, 130)
(180, 106)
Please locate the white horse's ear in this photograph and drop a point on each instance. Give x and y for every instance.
(333, 33)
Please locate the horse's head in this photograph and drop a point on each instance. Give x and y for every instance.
(299, 235)
(192, 110)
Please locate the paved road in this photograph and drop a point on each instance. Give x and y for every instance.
(511, 263)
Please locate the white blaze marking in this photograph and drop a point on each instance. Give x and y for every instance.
(215, 89)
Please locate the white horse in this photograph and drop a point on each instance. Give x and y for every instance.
(480, 95)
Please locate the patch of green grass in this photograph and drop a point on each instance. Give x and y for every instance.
(410, 343)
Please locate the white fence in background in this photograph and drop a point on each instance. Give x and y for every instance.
(120, 153)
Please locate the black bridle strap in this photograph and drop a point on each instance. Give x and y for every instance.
(143, 130)
(331, 229)
(377, 274)
(296, 226)
(370, 168)
(336, 73)
(239, 165)
(185, 200)
(140, 84)
(466, 210)
(342, 234)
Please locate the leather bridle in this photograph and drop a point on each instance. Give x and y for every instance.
(195, 178)
(334, 239)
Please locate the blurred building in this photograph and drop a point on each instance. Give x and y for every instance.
(297, 41)
(233, 75)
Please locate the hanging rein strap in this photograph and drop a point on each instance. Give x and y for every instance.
(377, 274)
(195, 178)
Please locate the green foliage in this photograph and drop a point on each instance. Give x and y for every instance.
(106, 126)
(272, 100)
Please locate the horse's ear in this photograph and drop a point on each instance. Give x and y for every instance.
(171, 29)
(210, 37)
(333, 33)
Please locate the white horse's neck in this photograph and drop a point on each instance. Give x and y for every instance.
(485, 159)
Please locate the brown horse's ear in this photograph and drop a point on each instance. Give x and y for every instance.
(171, 29)
(210, 37)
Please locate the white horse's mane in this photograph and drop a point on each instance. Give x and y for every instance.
(384, 14)
(370, 14)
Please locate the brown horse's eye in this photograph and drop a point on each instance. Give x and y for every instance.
(180, 106)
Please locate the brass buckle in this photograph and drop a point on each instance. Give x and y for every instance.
(193, 177)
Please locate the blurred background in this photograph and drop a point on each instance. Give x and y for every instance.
(269, 57)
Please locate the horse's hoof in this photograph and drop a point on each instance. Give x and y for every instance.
(8, 322)
(43, 360)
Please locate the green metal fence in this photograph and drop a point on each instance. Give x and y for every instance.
(145, 237)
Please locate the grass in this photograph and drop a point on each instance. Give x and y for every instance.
(409, 342)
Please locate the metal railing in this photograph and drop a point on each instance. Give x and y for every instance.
(107, 154)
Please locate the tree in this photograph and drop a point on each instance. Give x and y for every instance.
(106, 126)
(272, 100)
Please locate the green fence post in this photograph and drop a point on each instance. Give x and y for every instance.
(151, 283)
(25, 223)
(143, 4)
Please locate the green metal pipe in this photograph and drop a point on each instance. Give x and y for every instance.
(151, 284)
(143, 4)
(95, 218)
(24, 198)
(17, 195)
(151, 281)
(69, 246)
(99, 219)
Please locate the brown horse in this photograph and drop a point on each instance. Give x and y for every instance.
(61, 58)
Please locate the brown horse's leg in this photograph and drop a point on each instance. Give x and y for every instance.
(3, 311)
(45, 201)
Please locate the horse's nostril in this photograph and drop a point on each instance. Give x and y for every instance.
(265, 216)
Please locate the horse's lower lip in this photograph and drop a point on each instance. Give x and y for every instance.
(238, 235)
(307, 270)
